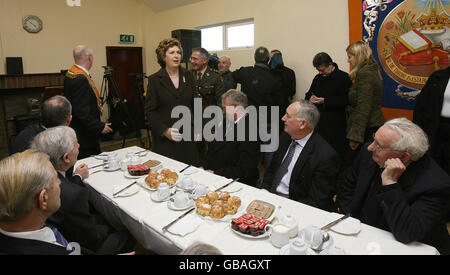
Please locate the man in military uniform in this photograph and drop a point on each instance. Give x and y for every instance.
(210, 87)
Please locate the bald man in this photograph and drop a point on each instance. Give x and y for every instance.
(225, 73)
(85, 99)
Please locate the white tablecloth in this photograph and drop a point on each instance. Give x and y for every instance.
(145, 218)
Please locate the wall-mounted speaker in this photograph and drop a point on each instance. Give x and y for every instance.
(14, 65)
(189, 40)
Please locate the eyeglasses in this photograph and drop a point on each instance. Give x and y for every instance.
(379, 148)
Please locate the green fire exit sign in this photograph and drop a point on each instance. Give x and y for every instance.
(127, 38)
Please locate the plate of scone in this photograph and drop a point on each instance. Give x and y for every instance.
(218, 206)
(154, 179)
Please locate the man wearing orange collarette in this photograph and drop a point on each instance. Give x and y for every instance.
(80, 89)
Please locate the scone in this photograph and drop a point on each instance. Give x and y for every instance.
(202, 200)
(235, 201)
(212, 196)
(224, 196)
(217, 212)
(204, 209)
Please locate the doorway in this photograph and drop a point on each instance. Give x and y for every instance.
(127, 67)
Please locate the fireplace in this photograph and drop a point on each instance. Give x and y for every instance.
(20, 99)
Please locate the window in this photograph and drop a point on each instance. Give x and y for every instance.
(227, 36)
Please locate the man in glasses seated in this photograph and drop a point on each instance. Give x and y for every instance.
(394, 185)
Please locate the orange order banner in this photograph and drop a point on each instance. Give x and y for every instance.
(355, 11)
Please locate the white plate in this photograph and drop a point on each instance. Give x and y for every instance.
(226, 218)
(349, 226)
(127, 175)
(191, 170)
(104, 155)
(125, 193)
(141, 182)
(248, 236)
(154, 196)
(173, 207)
(232, 188)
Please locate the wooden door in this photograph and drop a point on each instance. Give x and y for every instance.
(127, 64)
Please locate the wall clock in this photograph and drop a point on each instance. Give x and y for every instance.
(32, 24)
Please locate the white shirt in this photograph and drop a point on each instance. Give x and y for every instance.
(283, 187)
(83, 68)
(44, 234)
(445, 112)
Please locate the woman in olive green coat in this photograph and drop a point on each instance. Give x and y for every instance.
(364, 110)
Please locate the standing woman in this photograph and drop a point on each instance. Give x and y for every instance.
(168, 88)
(364, 110)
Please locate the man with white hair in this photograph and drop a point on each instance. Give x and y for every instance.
(396, 186)
(85, 99)
(77, 218)
(305, 166)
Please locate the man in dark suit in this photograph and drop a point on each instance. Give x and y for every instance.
(235, 155)
(30, 194)
(225, 73)
(55, 111)
(329, 92)
(85, 99)
(76, 218)
(262, 88)
(305, 166)
(396, 186)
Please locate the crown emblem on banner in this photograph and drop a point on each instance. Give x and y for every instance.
(433, 17)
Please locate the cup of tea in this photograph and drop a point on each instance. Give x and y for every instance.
(200, 190)
(187, 183)
(279, 234)
(180, 200)
(163, 191)
(113, 163)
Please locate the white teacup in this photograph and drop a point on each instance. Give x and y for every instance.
(187, 183)
(124, 164)
(180, 200)
(298, 247)
(135, 160)
(163, 191)
(279, 234)
(312, 236)
(113, 163)
(200, 190)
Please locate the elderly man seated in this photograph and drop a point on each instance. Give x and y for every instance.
(77, 219)
(236, 156)
(305, 166)
(29, 194)
(396, 186)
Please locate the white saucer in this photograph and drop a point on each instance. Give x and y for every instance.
(172, 206)
(125, 193)
(105, 155)
(111, 170)
(285, 250)
(190, 171)
(154, 196)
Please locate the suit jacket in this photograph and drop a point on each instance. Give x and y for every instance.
(413, 208)
(289, 84)
(85, 114)
(261, 86)
(17, 246)
(235, 159)
(161, 98)
(333, 121)
(76, 219)
(429, 105)
(228, 80)
(24, 138)
(313, 179)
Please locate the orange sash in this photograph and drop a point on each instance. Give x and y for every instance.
(77, 71)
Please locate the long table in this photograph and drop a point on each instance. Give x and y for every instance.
(145, 218)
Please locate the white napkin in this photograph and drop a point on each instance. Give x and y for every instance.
(186, 225)
(349, 226)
